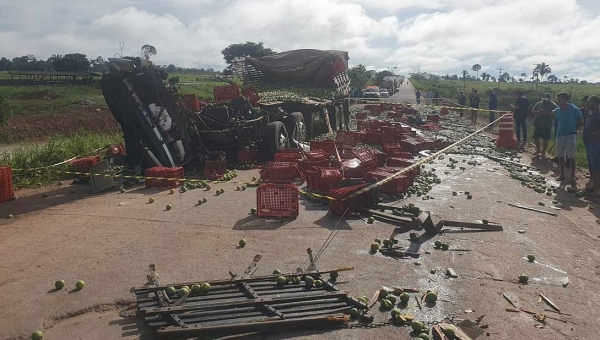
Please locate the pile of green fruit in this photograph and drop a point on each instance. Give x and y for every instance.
(423, 184)
(228, 176)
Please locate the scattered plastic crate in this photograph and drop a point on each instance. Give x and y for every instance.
(327, 146)
(391, 147)
(163, 172)
(402, 162)
(393, 186)
(251, 94)
(7, 192)
(433, 118)
(192, 103)
(361, 116)
(277, 200)
(280, 172)
(226, 93)
(371, 137)
(401, 154)
(353, 168)
(312, 179)
(412, 145)
(287, 157)
(306, 165)
(380, 156)
(317, 155)
(348, 138)
(331, 178)
(85, 164)
(214, 169)
(246, 156)
(340, 206)
(367, 157)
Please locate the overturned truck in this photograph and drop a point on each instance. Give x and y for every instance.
(283, 95)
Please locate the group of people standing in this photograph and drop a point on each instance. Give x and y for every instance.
(431, 97)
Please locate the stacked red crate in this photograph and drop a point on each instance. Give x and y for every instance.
(173, 176)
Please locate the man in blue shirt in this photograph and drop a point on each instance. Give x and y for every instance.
(567, 120)
(492, 105)
(591, 139)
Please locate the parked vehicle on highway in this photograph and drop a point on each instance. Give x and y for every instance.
(371, 92)
(383, 93)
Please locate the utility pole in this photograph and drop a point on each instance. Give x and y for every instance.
(499, 77)
(122, 45)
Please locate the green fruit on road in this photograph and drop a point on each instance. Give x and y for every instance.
(60, 284)
(9, 216)
(242, 243)
(445, 246)
(437, 244)
(218, 192)
(485, 221)
(334, 275)
(151, 200)
(254, 178)
(243, 187)
(425, 329)
(238, 188)
(222, 190)
(469, 197)
(204, 200)
(171, 291)
(37, 335)
(404, 297)
(431, 297)
(354, 312)
(196, 288)
(392, 298)
(169, 207)
(205, 288)
(371, 220)
(296, 280)
(387, 243)
(253, 211)
(183, 291)
(309, 281)
(79, 284)
(423, 336)
(377, 240)
(523, 278)
(416, 326)
(395, 312)
(383, 293)
(277, 272)
(172, 191)
(449, 332)
(374, 246)
(531, 258)
(281, 280)
(413, 236)
(208, 187)
(200, 202)
(386, 304)
(318, 283)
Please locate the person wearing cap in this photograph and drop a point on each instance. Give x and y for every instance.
(568, 119)
(492, 105)
(591, 140)
(542, 123)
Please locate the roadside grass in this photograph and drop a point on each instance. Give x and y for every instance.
(34, 100)
(55, 150)
(451, 89)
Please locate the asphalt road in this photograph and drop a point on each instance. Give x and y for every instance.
(81, 235)
(406, 94)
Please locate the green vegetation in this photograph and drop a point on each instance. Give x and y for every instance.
(506, 96)
(57, 149)
(32, 100)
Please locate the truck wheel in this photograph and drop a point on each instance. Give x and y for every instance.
(277, 136)
(299, 133)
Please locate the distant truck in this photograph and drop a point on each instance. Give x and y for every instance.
(391, 83)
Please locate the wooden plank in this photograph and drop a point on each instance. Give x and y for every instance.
(467, 225)
(239, 304)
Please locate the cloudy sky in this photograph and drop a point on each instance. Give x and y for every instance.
(440, 36)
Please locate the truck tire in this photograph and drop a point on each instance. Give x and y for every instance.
(277, 137)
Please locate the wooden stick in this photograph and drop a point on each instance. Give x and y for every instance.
(550, 303)
(532, 209)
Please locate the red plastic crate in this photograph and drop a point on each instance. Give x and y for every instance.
(412, 145)
(339, 206)
(371, 137)
(391, 147)
(280, 172)
(410, 173)
(433, 118)
(277, 200)
(214, 169)
(226, 93)
(402, 162)
(312, 179)
(7, 191)
(317, 155)
(395, 185)
(348, 138)
(192, 103)
(246, 156)
(251, 94)
(306, 165)
(287, 157)
(327, 146)
(401, 154)
(361, 116)
(353, 168)
(331, 178)
(85, 164)
(163, 172)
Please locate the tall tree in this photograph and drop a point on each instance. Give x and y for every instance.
(543, 69)
(552, 78)
(72, 62)
(476, 68)
(485, 76)
(524, 75)
(247, 49)
(464, 79)
(5, 64)
(147, 51)
(380, 75)
(359, 76)
(505, 77)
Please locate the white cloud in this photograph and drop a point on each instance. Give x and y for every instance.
(443, 36)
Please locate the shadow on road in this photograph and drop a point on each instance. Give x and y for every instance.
(253, 222)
